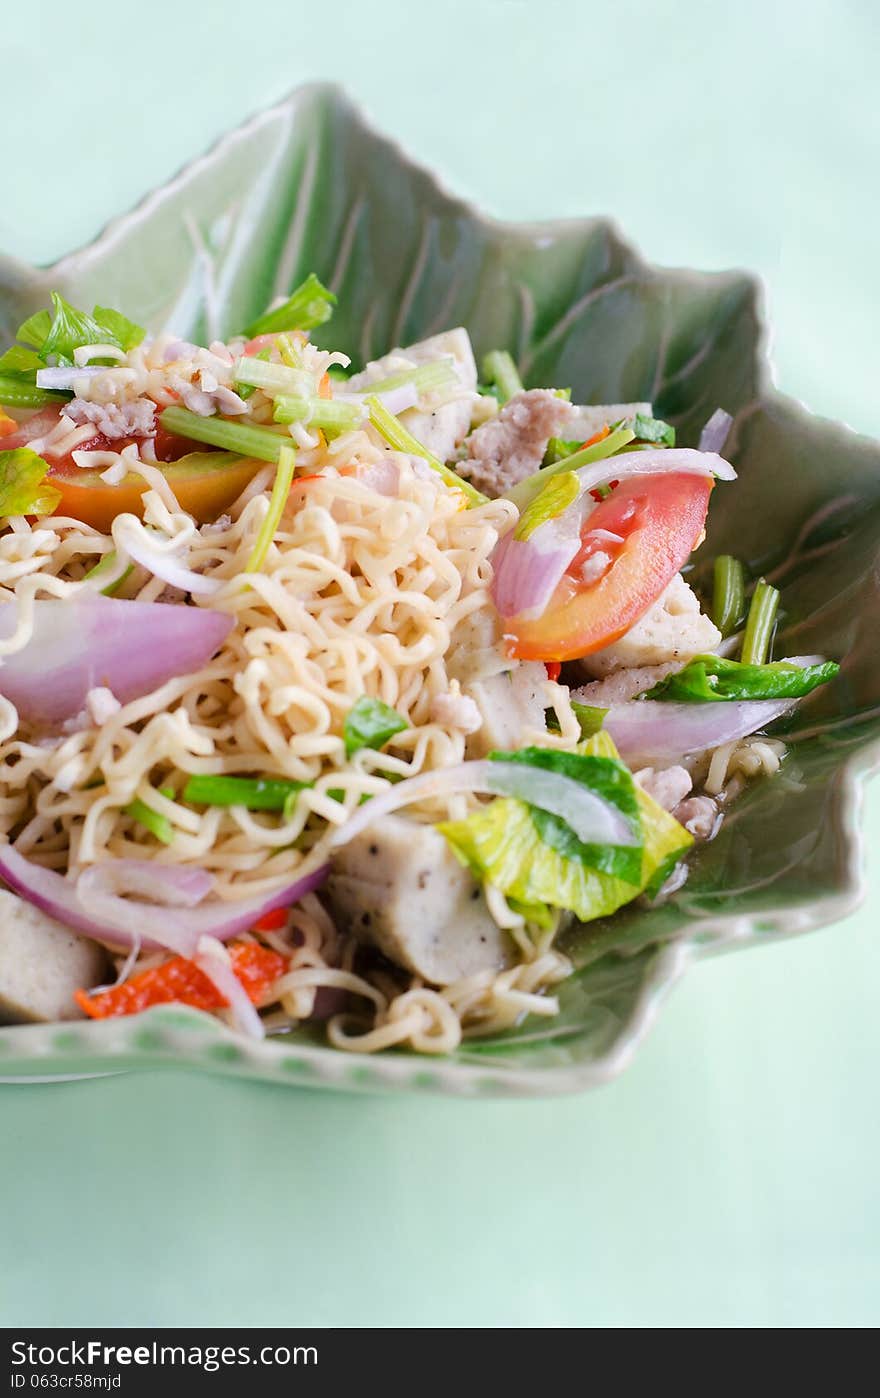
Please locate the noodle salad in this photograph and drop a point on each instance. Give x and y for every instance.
(332, 697)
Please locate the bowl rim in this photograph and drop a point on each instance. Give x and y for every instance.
(171, 1036)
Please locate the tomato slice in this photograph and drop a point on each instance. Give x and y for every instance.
(206, 483)
(659, 519)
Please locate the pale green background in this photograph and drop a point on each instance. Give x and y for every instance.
(730, 1178)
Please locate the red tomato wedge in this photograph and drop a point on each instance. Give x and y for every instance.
(659, 518)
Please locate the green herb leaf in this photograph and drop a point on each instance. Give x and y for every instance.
(35, 329)
(653, 429)
(709, 678)
(309, 306)
(69, 330)
(609, 779)
(370, 723)
(119, 330)
(22, 484)
(56, 336)
(255, 793)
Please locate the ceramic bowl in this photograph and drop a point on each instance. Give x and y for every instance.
(310, 185)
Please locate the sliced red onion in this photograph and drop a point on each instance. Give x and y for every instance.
(131, 537)
(212, 959)
(680, 460)
(528, 571)
(88, 907)
(594, 820)
(649, 728)
(715, 433)
(88, 641)
(174, 886)
(652, 728)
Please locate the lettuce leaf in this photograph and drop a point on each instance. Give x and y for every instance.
(653, 429)
(710, 678)
(502, 843)
(22, 487)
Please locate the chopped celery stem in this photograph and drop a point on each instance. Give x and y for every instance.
(759, 624)
(255, 793)
(272, 378)
(277, 501)
(436, 374)
(109, 567)
(18, 393)
(396, 435)
(499, 368)
(318, 412)
(525, 492)
(728, 597)
(264, 443)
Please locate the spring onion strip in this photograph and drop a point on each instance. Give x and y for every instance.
(499, 368)
(254, 793)
(277, 501)
(158, 825)
(396, 435)
(728, 598)
(760, 623)
(260, 442)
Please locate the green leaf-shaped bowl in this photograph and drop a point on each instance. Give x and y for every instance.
(309, 185)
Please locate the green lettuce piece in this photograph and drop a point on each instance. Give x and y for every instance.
(709, 678)
(370, 723)
(609, 779)
(501, 843)
(22, 484)
(309, 306)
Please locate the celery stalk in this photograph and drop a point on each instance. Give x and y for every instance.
(396, 435)
(242, 438)
(277, 501)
